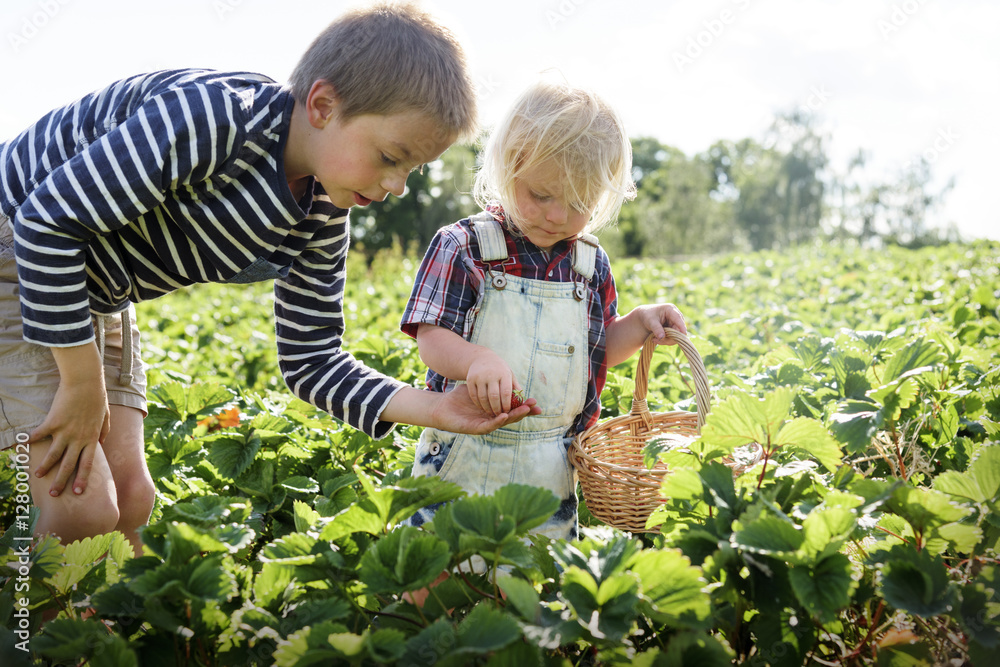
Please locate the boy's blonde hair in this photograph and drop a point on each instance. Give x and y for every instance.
(576, 129)
(389, 58)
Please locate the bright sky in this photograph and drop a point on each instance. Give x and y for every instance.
(899, 78)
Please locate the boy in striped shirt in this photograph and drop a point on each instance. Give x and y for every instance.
(179, 177)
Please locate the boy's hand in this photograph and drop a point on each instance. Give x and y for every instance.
(78, 420)
(456, 411)
(491, 383)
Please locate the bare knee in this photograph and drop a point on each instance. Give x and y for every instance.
(124, 448)
(136, 496)
(95, 518)
(71, 517)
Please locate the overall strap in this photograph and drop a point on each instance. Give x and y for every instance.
(493, 246)
(585, 255)
(489, 233)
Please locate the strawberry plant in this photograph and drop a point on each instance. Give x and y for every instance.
(865, 533)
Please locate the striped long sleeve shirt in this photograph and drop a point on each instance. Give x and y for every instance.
(173, 178)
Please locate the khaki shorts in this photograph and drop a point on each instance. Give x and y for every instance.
(28, 373)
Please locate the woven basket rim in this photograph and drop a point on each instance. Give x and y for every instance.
(585, 449)
(640, 409)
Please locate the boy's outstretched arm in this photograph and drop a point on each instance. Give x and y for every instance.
(626, 334)
(489, 378)
(79, 418)
(449, 411)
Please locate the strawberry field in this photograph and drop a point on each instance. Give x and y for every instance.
(867, 534)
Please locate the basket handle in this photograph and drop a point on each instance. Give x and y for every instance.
(702, 395)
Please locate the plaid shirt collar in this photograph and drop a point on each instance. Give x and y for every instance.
(527, 260)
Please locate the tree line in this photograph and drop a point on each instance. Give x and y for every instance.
(771, 192)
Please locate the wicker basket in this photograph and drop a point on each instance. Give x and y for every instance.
(618, 487)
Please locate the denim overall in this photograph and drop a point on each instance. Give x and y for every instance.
(540, 329)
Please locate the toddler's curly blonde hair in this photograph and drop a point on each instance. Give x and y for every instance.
(576, 129)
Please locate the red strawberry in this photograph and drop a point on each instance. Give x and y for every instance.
(516, 399)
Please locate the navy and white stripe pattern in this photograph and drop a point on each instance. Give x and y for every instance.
(173, 178)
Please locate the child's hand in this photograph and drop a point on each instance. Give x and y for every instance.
(657, 316)
(78, 420)
(455, 411)
(626, 334)
(491, 383)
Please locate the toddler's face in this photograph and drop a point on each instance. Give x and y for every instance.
(546, 215)
(365, 158)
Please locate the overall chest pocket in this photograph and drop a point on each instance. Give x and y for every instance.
(557, 378)
(260, 270)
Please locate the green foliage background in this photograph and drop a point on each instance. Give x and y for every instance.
(867, 534)
(757, 193)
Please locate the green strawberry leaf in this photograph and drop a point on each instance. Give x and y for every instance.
(916, 356)
(673, 590)
(689, 648)
(811, 437)
(916, 581)
(979, 611)
(826, 529)
(209, 511)
(486, 629)
(196, 400)
(855, 424)
(385, 645)
(232, 453)
(770, 536)
(522, 595)
(825, 587)
(924, 509)
(528, 506)
(68, 639)
(309, 646)
(980, 483)
(404, 560)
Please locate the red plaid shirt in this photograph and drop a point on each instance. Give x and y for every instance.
(451, 278)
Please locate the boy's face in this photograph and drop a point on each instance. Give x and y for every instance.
(546, 217)
(364, 158)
